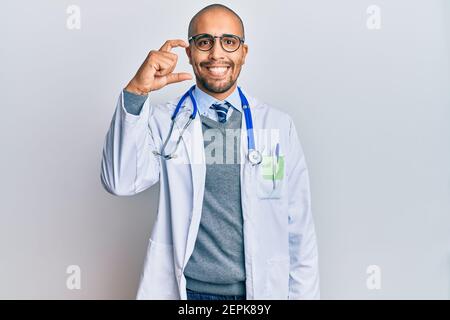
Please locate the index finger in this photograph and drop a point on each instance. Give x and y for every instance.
(169, 44)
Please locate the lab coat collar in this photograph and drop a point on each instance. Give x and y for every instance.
(205, 100)
(253, 102)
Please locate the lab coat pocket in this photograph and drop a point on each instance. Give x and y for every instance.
(277, 281)
(158, 279)
(270, 177)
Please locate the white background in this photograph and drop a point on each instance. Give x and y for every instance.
(372, 108)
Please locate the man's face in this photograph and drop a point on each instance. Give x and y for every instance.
(221, 79)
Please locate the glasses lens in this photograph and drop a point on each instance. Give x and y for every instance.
(230, 43)
(204, 42)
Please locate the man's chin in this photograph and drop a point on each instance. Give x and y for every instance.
(218, 88)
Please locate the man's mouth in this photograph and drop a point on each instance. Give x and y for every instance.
(218, 71)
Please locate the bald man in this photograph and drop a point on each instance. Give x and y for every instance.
(246, 232)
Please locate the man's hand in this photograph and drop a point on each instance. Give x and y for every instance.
(156, 71)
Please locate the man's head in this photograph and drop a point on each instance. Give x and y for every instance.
(216, 20)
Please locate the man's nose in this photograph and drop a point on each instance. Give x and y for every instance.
(217, 51)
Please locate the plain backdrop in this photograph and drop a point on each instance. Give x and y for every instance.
(372, 108)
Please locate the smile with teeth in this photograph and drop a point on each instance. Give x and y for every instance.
(218, 71)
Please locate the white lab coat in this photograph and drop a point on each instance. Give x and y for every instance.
(281, 260)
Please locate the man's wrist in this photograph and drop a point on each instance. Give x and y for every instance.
(133, 102)
(136, 90)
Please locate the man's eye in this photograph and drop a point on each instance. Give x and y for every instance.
(230, 41)
(203, 42)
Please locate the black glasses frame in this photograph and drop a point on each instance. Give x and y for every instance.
(207, 35)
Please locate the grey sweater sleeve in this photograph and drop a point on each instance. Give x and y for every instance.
(133, 102)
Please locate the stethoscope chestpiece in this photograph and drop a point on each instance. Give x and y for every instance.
(255, 157)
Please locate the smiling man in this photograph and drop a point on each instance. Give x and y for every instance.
(238, 224)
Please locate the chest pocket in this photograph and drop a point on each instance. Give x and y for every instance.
(270, 174)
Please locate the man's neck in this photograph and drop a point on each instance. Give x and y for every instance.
(219, 96)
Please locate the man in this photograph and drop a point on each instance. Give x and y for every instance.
(227, 228)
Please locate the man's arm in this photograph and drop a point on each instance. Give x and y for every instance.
(304, 269)
(128, 164)
(133, 103)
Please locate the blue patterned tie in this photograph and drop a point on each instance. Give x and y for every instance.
(221, 110)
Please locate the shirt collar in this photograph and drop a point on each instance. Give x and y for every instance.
(204, 100)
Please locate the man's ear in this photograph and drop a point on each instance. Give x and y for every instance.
(188, 53)
(245, 51)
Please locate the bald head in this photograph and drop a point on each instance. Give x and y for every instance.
(214, 8)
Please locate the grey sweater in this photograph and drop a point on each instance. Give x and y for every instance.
(217, 264)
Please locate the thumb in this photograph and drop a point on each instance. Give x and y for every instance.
(178, 77)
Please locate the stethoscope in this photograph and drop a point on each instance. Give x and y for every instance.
(254, 156)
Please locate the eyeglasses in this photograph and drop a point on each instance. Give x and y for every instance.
(205, 41)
